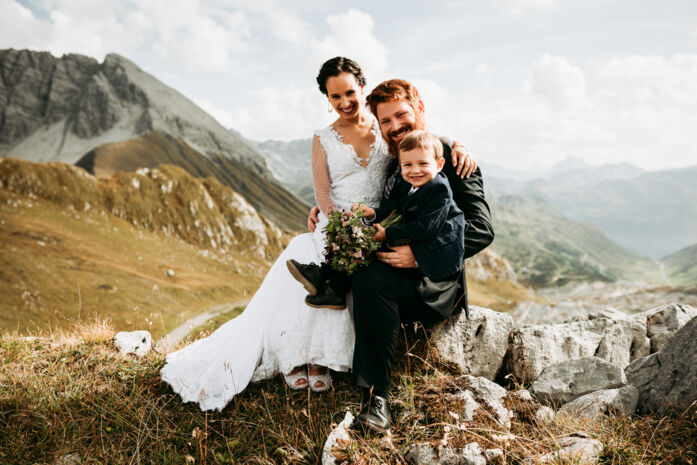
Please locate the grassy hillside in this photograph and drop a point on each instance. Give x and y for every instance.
(72, 394)
(75, 246)
(681, 266)
(156, 148)
(545, 248)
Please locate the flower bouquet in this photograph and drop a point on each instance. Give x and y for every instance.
(350, 243)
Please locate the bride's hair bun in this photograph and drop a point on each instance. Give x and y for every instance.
(336, 66)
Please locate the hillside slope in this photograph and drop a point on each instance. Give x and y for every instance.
(76, 245)
(546, 248)
(681, 266)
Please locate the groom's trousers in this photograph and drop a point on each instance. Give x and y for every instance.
(383, 297)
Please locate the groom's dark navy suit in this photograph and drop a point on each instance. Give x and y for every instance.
(384, 296)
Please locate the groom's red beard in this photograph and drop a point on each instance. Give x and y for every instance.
(419, 123)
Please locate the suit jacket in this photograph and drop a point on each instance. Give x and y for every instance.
(432, 225)
(468, 195)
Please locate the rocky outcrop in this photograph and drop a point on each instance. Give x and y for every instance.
(485, 394)
(668, 377)
(603, 402)
(534, 348)
(565, 381)
(476, 345)
(137, 343)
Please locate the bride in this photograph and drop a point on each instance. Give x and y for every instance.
(278, 332)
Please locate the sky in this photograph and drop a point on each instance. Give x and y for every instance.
(524, 83)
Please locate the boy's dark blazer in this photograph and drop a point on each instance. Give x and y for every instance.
(468, 194)
(432, 225)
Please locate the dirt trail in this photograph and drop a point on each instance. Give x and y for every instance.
(170, 341)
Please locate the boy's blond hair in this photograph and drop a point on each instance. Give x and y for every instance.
(423, 140)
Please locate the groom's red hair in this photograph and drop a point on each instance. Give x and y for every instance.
(390, 91)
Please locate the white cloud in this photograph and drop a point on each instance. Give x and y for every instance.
(289, 112)
(351, 35)
(18, 25)
(559, 83)
(519, 7)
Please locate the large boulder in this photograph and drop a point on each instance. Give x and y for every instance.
(603, 402)
(137, 343)
(426, 454)
(663, 322)
(476, 345)
(668, 377)
(565, 381)
(534, 348)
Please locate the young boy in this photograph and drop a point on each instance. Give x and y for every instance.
(432, 224)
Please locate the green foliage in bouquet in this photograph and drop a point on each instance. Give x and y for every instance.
(350, 243)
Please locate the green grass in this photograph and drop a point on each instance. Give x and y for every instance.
(71, 393)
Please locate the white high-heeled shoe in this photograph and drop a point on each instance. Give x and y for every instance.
(292, 379)
(325, 378)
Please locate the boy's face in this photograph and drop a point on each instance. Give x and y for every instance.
(419, 166)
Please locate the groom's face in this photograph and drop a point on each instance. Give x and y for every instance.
(397, 119)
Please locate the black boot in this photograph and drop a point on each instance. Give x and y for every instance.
(311, 276)
(375, 414)
(328, 297)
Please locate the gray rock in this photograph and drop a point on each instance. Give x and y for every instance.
(534, 348)
(491, 394)
(579, 449)
(493, 455)
(668, 377)
(426, 454)
(68, 459)
(622, 400)
(663, 322)
(544, 414)
(137, 343)
(523, 394)
(478, 345)
(565, 381)
(341, 432)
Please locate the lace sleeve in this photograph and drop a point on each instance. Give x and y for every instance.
(320, 177)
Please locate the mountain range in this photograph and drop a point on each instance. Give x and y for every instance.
(112, 116)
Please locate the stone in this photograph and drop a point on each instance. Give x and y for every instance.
(663, 322)
(68, 459)
(534, 348)
(341, 432)
(622, 400)
(426, 454)
(578, 449)
(493, 455)
(523, 394)
(480, 389)
(668, 377)
(476, 345)
(544, 414)
(137, 343)
(565, 381)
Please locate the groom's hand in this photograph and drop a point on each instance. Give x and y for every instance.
(313, 219)
(462, 160)
(400, 257)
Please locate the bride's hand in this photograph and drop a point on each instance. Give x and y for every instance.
(400, 257)
(462, 160)
(380, 233)
(313, 219)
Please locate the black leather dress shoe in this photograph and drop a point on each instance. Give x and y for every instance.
(327, 298)
(375, 415)
(311, 276)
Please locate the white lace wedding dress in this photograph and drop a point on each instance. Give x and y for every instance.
(277, 331)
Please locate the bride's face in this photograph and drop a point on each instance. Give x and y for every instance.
(345, 95)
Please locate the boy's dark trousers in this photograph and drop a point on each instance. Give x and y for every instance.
(383, 297)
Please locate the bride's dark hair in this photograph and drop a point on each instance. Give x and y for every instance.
(336, 66)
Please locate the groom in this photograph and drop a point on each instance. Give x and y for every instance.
(391, 291)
